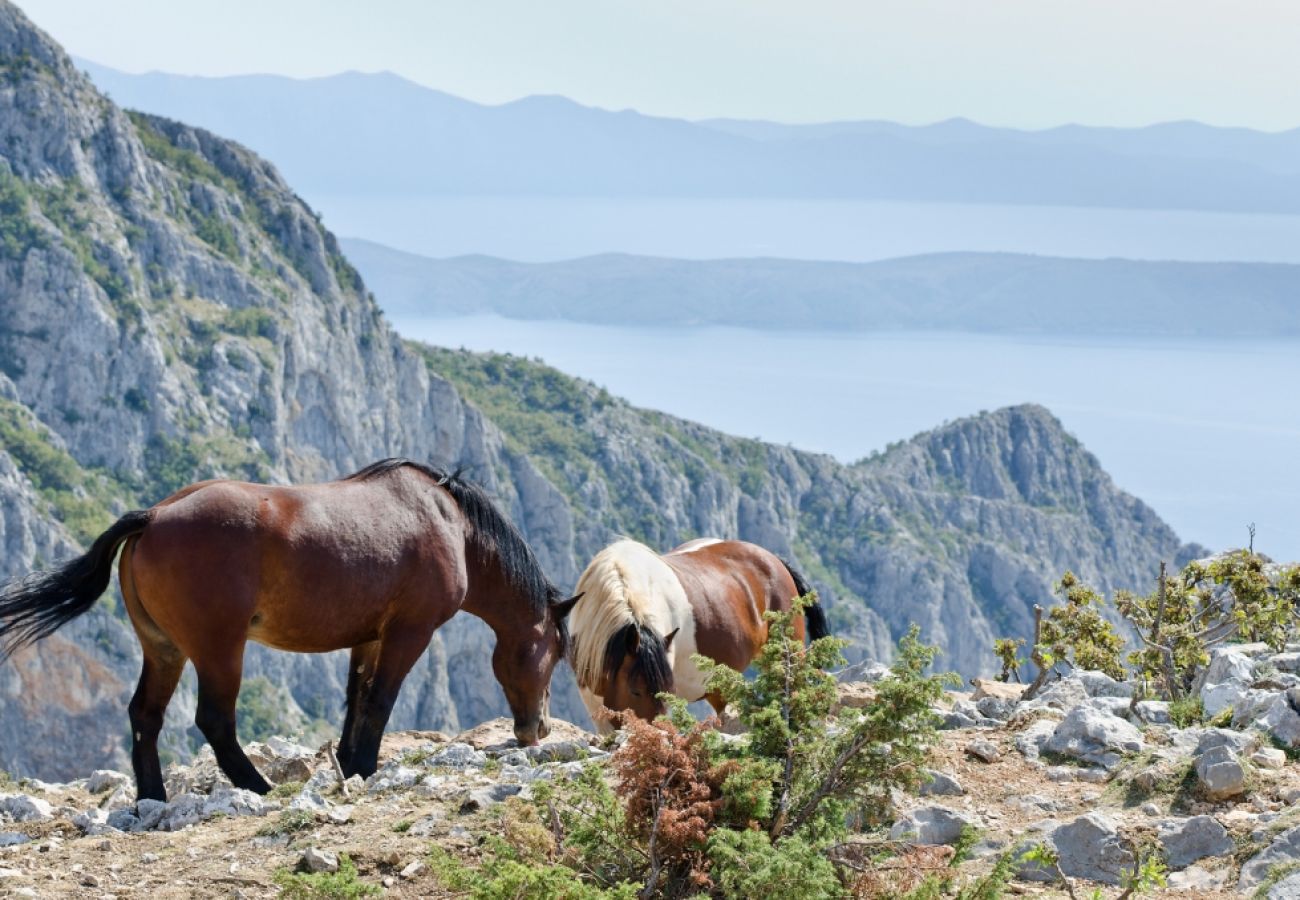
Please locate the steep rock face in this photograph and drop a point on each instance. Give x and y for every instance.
(169, 310)
(960, 530)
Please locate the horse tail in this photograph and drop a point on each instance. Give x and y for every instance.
(813, 614)
(36, 606)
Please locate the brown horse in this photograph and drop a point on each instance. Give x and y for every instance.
(643, 616)
(375, 562)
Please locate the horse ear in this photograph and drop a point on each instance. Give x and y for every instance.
(668, 638)
(564, 607)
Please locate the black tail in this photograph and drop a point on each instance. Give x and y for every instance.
(814, 615)
(40, 604)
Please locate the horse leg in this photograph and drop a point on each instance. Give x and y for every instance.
(159, 674)
(361, 668)
(218, 693)
(158, 677)
(399, 649)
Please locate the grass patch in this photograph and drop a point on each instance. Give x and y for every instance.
(1187, 712)
(344, 884)
(1276, 873)
(291, 821)
(286, 790)
(403, 826)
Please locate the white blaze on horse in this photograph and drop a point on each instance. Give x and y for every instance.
(643, 615)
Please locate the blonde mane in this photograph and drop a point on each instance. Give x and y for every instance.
(621, 587)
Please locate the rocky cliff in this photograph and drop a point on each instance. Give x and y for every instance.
(170, 310)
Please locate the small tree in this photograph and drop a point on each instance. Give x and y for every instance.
(1074, 633)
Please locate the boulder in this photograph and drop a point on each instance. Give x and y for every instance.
(1089, 847)
(12, 838)
(931, 825)
(1094, 737)
(23, 808)
(1280, 720)
(1239, 742)
(481, 798)
(1226, 664)
(1030, 741)
(1099, 684)
(102, 780)
(1268, 758)
(997, 708)
(227, 800)
(1187, 840)
(1152, 712)
(316, 860)
(941, 784)
(1221, 773)
(985, 751)
(1194, 878)
(458, 756)
(1064, 694)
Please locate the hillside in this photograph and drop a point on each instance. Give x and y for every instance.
(379, 133)
(171, 310)
(1002, 293)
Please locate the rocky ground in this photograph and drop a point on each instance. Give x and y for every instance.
(1079, 768)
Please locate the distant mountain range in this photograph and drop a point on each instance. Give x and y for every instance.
(378, 133)
(986, 292)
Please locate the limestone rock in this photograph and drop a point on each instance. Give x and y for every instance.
(931, 825)
(317, 860)
(1186, 841)
(1089, 847)
(1283, 851)
(1220, 773)
(941, 784)
(1094, 737)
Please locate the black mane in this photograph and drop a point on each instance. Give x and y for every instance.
(650, 659)
(492, 535)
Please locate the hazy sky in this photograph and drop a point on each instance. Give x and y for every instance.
(1027, 63)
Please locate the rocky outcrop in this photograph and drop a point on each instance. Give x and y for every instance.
(170, 310)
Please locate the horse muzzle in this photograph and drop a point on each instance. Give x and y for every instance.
(533, 733)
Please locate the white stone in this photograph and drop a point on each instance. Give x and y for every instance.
(1186, 841)
(931, 825)
(23, 808)
(941, 784)
(1090, 847)
(458, 756)
(1221, 773)
(1094, 737)
(102, 780)
(1268, 758)
(316, 860)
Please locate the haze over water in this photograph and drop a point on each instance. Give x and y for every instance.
(538, 229)
(1204, 431)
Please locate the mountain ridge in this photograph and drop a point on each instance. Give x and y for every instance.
(323, 132)
(982, 292)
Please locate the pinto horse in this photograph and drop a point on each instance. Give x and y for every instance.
(641, 617)
(374, 562)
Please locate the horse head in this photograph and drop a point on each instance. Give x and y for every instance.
(524, 661)
(638, 668)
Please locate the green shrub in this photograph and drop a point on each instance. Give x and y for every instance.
(692, 811)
